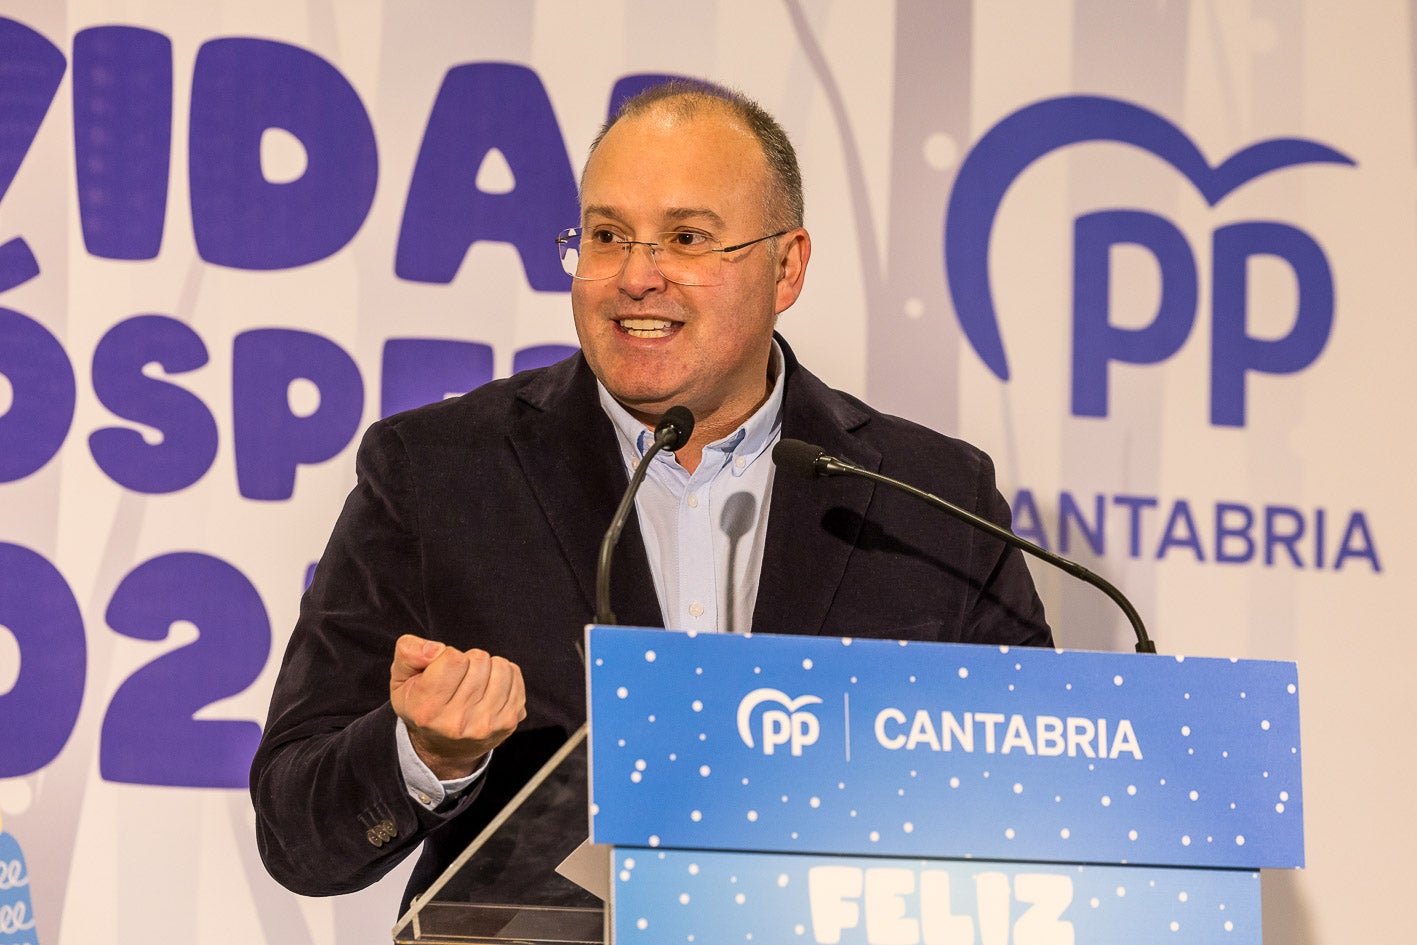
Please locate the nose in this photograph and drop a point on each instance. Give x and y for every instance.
(641, 272)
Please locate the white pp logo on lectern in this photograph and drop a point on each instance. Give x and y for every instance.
(785, 726)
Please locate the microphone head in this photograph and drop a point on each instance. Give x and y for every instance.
(674, 427)
(798, 458)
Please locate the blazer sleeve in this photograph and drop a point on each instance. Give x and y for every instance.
(333, 814)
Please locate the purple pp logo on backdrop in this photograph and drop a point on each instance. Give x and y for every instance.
(1023, 137)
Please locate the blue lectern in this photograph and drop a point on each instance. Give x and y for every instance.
(781, 789)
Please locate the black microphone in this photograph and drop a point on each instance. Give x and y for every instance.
(672, 432)
(811, 462)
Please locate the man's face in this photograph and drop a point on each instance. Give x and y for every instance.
(654, 343)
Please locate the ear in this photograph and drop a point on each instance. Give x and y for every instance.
(794, 248)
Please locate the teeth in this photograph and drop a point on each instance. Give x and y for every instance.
(646, 327)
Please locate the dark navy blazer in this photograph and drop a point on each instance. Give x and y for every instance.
(476, 521)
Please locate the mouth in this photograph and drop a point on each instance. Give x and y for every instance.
(647, 327)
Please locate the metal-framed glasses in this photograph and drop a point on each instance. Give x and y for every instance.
(681, 256)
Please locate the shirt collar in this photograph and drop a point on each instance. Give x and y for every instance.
(745, 444)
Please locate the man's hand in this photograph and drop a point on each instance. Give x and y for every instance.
(457, 706)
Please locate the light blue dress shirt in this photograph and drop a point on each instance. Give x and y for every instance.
(704, 531)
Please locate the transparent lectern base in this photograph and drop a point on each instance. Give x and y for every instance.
(464, 923)
(504, 888)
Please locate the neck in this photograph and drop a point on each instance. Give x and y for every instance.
(713, 425)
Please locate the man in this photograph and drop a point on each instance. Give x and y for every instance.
(446, 611)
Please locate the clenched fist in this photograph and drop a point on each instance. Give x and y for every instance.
(457, 705)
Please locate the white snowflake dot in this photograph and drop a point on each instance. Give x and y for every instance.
(1065, 833)
(704, 771)
(963, 673)
(622, 692)
(642, 924)
(649, 656)
(806, 664)
(1116, 680)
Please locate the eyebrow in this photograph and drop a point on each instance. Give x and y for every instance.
(674, 214)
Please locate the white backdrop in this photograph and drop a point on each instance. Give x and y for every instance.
(1284, 535)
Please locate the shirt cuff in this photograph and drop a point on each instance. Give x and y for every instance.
(423, 785)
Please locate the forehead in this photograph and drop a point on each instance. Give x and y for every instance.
(660, 166)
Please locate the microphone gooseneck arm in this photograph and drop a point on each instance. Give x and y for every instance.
(672, 432)
(811, 462)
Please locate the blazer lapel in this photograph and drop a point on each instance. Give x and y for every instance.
(568, 455)
(813, 525)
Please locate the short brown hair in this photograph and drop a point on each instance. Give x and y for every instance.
(683, 97)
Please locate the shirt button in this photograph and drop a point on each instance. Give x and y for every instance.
(693, 500)
(696, 610)
(740, 462)
(424, 799)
